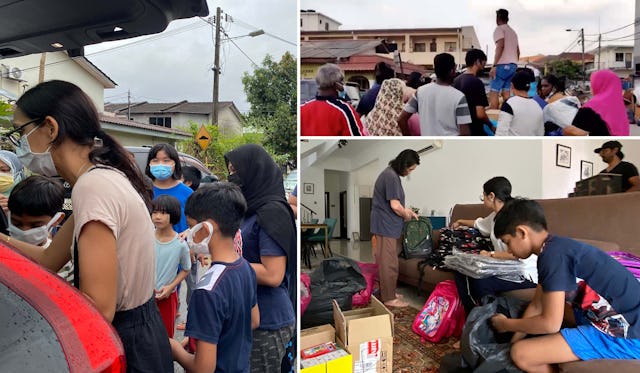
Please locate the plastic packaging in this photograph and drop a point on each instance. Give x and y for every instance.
(478, 266)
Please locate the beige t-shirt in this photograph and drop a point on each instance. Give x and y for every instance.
(510, 51)
(107, 196)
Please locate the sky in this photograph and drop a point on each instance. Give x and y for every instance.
(540, 24)
(176, 65)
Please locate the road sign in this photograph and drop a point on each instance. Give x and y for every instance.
(203, 137)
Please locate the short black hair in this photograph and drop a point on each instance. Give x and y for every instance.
(474, 55)
(383, 72)
(172, 153)
(519, 211)
(167, 204)
(404, 160)
(36, 196)
(500, 186)
(443, 63)
(221, 202)
(192, 174)
(502, 14)
(414, 80)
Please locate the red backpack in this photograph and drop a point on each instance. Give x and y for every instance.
(442, 315)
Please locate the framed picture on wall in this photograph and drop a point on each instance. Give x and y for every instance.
(307, 188)
(586, 170)
(563, 156)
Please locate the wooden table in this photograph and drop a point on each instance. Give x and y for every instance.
(325, 227)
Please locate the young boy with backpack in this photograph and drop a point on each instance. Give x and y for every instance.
(171, 252)
(223, 309)
(604, 295)
(35, 208)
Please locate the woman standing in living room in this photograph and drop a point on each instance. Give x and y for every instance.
(388, 214)
(496, 191)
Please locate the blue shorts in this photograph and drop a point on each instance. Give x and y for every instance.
(589, 343)
(502, 81)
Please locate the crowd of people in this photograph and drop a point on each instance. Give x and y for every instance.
(135, 235)
(457, 104)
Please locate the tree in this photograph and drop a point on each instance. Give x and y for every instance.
(272, 93)
(213, 155)
(567, 68)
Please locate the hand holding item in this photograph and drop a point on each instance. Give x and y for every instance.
(164, 292)
(498, 321)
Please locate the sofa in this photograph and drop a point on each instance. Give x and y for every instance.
(608, 222)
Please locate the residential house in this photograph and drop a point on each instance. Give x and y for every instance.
(417, 45)
(176, 115)
(310, 20)
(618, 58)
(18, 74)
(356, 58)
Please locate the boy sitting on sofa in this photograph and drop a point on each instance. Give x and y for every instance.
(604, 295)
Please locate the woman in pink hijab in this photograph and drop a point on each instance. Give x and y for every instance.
(604, 114)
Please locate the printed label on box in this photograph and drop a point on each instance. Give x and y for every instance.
(369, 357)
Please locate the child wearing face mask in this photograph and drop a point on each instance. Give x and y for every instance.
(172, 255)
(35, 208)
(223, 309)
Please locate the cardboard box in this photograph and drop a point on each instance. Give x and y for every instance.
(338, 361)
(334, 362)
(317, 335)
(366, 333)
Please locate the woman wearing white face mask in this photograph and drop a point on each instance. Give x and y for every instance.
(57, 131)
(11, 172)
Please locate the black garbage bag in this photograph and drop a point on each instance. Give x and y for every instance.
(336, 278)
(483, 349)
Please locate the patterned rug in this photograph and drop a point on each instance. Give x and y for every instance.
(409, 354)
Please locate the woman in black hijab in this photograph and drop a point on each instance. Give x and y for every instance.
(269, 244)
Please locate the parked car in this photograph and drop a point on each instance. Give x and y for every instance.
(309, 90)
(141, 154)
(290, 181)
(49, 326)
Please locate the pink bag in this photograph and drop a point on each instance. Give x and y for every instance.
(370, 273)
(305, 292)
(442, 315)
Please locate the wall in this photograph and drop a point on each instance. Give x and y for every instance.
(58, 65)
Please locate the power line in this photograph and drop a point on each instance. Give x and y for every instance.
(622, 37)
(240, 49)
(620, 28)
(248, 26)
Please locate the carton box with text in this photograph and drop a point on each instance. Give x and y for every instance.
(334, 362)
(366, 333)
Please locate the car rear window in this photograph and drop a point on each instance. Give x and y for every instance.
(27, 342)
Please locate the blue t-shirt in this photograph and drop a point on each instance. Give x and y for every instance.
(276, 310)
(220, 313)
(384, 221)
(168, 256)
(607, 295)
(368, 101)
(181, 192)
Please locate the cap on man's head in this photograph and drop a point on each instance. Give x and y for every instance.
(522, 80)
(609, 145)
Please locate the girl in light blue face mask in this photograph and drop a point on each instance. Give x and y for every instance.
(164, 168)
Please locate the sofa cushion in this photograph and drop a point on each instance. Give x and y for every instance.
(598, 366)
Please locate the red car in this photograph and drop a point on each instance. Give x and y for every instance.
(49, 326)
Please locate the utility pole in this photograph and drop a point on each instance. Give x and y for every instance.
(129, 104)
(599, 40)
(216, 69)
(584, 73)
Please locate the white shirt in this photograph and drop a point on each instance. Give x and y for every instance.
(442, 109)
(520, 116)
